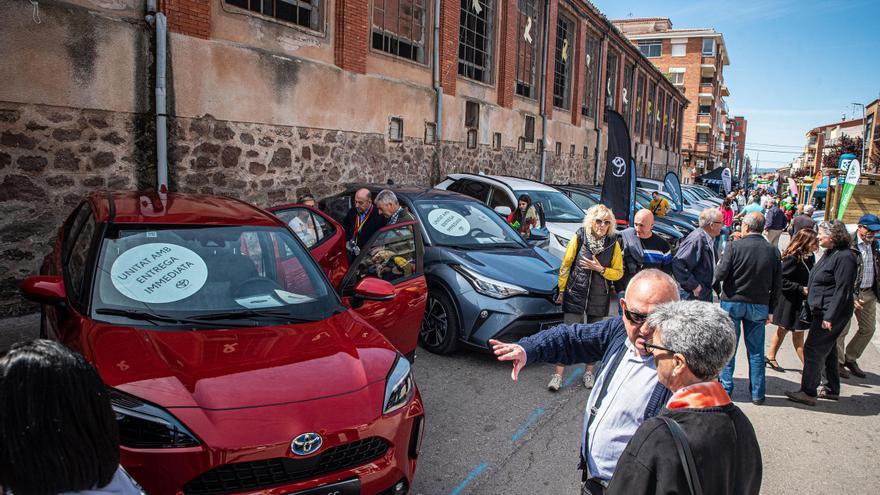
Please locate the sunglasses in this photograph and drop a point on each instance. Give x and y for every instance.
(635, 317)
(651, 347)
(603, 222)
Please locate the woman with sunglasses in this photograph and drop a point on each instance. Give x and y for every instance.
(692, 341)
(592, 261)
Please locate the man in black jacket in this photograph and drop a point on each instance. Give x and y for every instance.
(749, 277)
(361, 221)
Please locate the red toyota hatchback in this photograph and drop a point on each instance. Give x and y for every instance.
(234, 365)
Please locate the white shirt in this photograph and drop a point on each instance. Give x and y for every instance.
(867, 263)
(622, 410)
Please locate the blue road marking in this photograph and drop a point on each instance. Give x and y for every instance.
(529, 422)
(470, 477)
(576, 373)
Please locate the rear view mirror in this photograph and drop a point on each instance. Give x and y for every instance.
(44, 289)
(539, 234)
(374, 289)
(502, 210)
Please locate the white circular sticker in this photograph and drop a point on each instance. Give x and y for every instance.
(158, 273)
(449, 222)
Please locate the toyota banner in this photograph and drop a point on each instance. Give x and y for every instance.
(620, 175)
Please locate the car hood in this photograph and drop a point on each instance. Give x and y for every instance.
(530, 268)
(564, 229)
(241, 367)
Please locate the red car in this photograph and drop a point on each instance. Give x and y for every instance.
(234, 365)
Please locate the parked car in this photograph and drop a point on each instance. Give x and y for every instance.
(501, 193)
(232, 363)
(683, 221)
(484, 280)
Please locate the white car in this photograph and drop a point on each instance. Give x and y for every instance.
(501, 193)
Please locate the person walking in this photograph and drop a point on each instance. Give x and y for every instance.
(390, 209)
(694, 264)
(627, 391)
(755, 205)
(830, 294)
(789, 314)
(525, 217)
(802, 221)
(727, 213)
(866, 300)
(642, 249)
(749, 276)
(774, 223)
(692, 341)
(592, 261)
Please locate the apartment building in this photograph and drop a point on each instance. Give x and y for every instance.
(694, 60)
(820, 139)
(735, 144)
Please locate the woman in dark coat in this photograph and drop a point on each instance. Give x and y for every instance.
(797, 261)
(831, 292)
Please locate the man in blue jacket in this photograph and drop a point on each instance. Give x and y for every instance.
(626, 391)
(694, 262)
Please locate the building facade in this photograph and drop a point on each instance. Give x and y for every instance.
(736, 144)
(694, 60)
(821, 139)
(872, 135)
(269, 100)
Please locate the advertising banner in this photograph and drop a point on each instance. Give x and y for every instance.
(619, 170)
(673, 187)
(726, 180)
(816, 181)
(853, 173)
(792, 187)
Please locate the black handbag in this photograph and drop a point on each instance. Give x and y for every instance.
(806, 314)
(685, 456)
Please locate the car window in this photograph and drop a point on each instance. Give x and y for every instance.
(303, 222)
(499, 198)
(465, 224)
(648, 185)
(557, 206)
(325, 229)
(582, 200)
(75, 266)
(72, 228)
(391, 256)
(472, 188)
(188, 271)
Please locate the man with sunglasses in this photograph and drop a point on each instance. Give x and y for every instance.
(626, 390)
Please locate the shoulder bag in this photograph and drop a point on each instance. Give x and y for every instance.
(685, 455)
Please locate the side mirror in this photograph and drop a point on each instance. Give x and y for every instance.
(44, 289)
(539, 234)
(503, 211)
(374, 289)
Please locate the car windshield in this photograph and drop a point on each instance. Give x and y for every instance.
(557, 206)
(193, 273)
(465, 224)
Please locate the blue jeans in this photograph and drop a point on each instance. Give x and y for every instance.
(752, 318)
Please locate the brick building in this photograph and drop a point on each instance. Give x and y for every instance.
(268, 100)
(694, 60)
(872, 134)
(735, 144)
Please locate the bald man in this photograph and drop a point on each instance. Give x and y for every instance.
(361, 221)
(642, 249)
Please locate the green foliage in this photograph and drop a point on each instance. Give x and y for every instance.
(844, 145)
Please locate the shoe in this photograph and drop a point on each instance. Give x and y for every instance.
(758, 402)
(589, 379)
(844, 373)
(854, 367)
(825, 394)
(774, 365)
(800, 396)
(555, 383)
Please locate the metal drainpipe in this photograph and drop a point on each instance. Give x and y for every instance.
(438, 89)
(600, 92)
(158, 19)
(543, 109)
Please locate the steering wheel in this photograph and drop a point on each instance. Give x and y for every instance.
(255, 286)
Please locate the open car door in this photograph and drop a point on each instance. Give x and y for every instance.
(394, 254)
(321, 235)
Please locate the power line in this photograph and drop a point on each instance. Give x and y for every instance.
(775, 151)
(775, 145)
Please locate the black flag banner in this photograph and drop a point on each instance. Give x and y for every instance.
(619, 175)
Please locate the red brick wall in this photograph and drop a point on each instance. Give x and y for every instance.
(449, 18)
(189, 17)
(507, 63)
(351, 31)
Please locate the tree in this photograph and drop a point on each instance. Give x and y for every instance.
(844, 145)
(874, 159)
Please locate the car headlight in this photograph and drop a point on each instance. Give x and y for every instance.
(561, 240)
(399, 386)
(489, 286)
(145, 426)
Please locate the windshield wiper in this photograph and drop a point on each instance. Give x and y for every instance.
(252, 313)
(153, 318)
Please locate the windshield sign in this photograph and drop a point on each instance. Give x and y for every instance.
(557, 206)
(466, 225)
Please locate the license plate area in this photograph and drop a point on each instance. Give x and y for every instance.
(348, 487)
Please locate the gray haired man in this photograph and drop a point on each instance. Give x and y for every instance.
(694, 263)
(388, 205)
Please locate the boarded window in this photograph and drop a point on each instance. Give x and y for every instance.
(475, 39)
(399, 28)
(562, 70)
(528, 41)
(472, 115)
(305, 13)
(529, 132)
(592, 64)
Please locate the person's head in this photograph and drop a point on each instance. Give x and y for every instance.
(833, 234)
(711, 221)
(756, 198)
(307, 199)
(643, 223)
(692, 342)
(647, 289)
(868, 227)
(363, 200)
(753, 223)
(655, 195)
(58, 430)
(725, 205)
(809, 209)
(802, 244)
(524, 202)
(386, 202)
(599, 220)
(800, 209)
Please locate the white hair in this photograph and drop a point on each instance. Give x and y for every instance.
(386, 197)
(701, 331)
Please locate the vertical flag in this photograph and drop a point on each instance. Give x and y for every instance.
(673, 187)
(816, 181)
(853, 173)
(620, 173)
(726, 180)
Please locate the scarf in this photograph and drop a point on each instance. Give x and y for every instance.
(596, 244)
(699, 396)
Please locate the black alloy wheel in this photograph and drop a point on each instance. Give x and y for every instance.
(439, 331)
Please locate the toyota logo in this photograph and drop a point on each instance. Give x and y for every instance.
(305, 444)
(619, 165)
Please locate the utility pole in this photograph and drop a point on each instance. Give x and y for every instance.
(864, 133)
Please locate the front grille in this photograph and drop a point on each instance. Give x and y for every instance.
(279, 471)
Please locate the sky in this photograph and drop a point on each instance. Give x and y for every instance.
(794, 64)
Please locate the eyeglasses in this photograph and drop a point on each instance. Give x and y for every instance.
(635, 317)
(651, 346)
(603, 222)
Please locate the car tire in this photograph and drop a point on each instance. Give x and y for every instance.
(439, 330)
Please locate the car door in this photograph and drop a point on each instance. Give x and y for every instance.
(321, 235)
(77, 266)
(394, 254)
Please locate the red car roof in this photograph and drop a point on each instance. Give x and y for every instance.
(177, 208)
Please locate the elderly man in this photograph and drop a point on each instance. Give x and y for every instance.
(642, 249)
(866, 299)
(626, 390)
(389, 207)
(774, 222)
(803, 221)
(361, 221)
(694, 263)
(750, 277)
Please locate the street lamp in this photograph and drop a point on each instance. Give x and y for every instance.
(864, 134)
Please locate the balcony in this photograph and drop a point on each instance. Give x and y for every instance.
(724, 90)
(707, 70)
(705, 98)
(724, 109)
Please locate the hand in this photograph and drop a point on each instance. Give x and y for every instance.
(509, 352)
(559, 298)
(806, 291)
(859, 303)
(592, 264)
(769, 318)
(826, 325)
(698, 290)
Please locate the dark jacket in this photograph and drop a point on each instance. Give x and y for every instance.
(795, 277)
(775, 219)
(372, 224)
(653, 252)
(801, 222)
(724, 446)
(875, 249)
(587, 291)
(833, 284)
(750, 271)
(694, 265)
